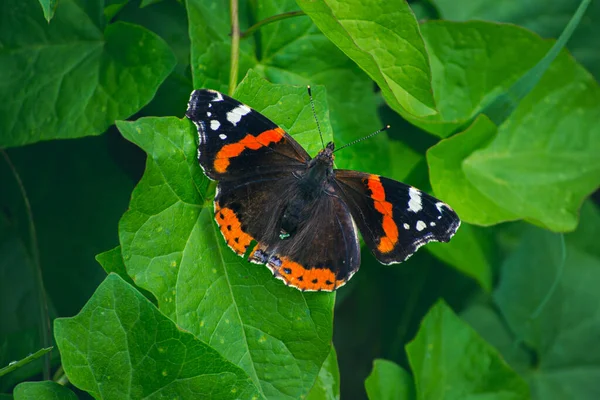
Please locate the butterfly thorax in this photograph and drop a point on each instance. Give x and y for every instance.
(318, 170)
(313, 183)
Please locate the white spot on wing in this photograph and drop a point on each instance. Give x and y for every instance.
(223, 136)
(218, 96)
(234, 116)
(214, 124)
(421, 225)
(414, 204)
(432, 224)
(439, 206)
(406, 226)
(208, 114)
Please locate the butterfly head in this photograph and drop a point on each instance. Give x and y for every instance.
(326, 156)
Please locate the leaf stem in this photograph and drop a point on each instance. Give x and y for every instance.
(235, 46)
(16, 364)
(39, 280)
(266, 21)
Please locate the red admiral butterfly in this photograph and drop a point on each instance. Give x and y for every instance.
(298, 213)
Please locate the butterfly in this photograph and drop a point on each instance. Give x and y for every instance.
(297, 214)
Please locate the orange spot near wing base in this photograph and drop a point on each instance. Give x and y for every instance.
(302, 278)
(387, 242)
(231, 228)
(232, 150)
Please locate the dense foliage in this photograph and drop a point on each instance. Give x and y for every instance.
(119, 267)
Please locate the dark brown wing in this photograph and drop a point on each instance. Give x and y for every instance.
(394, 219)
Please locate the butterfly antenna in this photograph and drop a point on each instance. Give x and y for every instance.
(385, 128)
(312, 105)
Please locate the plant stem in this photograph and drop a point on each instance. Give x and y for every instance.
(235, 46)
(39, 280)
(266, 21)
(17, 364)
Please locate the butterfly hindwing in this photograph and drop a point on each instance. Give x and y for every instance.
(237, 142)
(299, 245)
(394, 219)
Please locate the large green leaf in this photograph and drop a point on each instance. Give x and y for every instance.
(383, 38)
(533, 168)
(548, 19)
(557, 316)
(547, 298)
(79, 75)
(544, 160)
(46, 390)
(172, 247)
(475, 62)
(389, 381)
(121, 346)
(450, 360)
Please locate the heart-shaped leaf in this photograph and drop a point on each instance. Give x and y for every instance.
(75, 76)
(121, 346)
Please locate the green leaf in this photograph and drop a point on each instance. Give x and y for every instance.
(172, 247)
(120, 345)
(49, 7)
(46, 390)
(487, 59)
(468, 252)
(450, 183)
(389, 381)
(557, 316)
(451, 361)
(77, 72)
(383, 38)
(547, 19)
(505, 103)
(548, 320)
(543, 162)
(327, 386)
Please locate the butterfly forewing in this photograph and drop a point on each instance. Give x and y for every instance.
(236, 141)
(394, 219)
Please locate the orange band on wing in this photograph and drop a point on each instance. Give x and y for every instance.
(387, 242)
(302, 278)
(232, 150)
(231, 228)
